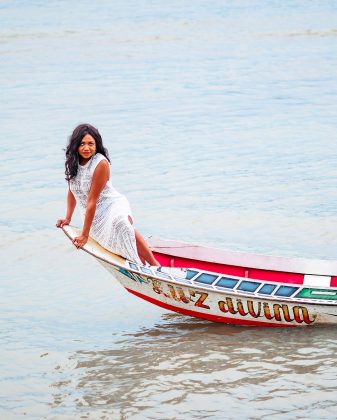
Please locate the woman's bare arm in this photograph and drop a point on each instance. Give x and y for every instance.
(71, 204)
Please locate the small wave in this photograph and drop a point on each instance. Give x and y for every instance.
(115, 35)
(18, 36)
(308, 32)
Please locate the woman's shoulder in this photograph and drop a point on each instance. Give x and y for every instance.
(98, 158)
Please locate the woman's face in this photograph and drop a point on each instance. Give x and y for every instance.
(87, 148)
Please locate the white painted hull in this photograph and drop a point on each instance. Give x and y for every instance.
(223, 307)
(246, 303)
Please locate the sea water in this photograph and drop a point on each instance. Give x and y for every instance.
(220, 120)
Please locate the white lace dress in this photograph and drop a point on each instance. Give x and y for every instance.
(111, 227)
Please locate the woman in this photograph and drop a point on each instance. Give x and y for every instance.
(106, 212)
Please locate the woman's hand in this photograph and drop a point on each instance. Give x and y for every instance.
(62, 222)
(80, 241)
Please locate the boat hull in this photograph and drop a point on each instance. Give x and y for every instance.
(222, 307)
(225, 297)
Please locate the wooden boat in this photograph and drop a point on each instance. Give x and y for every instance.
(226, 286)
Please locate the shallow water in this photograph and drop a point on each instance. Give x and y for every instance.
(220, 119)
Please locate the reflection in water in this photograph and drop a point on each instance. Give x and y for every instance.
(208, 369)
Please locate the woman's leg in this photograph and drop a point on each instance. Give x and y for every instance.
(144, 251)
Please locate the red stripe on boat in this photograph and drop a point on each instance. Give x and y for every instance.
(209, 317)
(333, 282)
(252, 273)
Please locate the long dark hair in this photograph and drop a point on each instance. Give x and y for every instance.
(72, 157)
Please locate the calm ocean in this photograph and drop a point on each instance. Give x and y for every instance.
(220, 118)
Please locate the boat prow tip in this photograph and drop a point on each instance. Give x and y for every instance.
(71, 231)
(95, 249)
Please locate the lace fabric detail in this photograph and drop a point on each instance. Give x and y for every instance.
(111, 227)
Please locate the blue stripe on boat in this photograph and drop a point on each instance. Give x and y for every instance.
(227, 283)
(206, 278)
(190, 274)
(286, 291)
(267, 289)
(248, 286)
